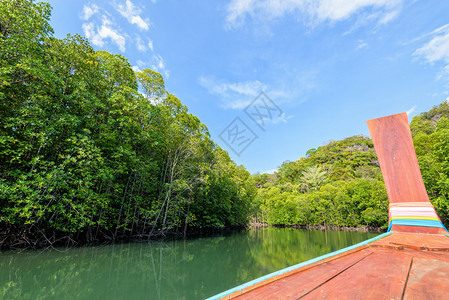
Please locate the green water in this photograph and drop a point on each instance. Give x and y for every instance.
(180, 269)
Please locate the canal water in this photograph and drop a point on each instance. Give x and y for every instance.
(179, 269)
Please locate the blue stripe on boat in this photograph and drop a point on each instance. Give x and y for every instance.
(416, 222)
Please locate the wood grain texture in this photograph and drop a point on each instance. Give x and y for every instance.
(417, 229)
(417, 270)
(397, 158)
(428, 279)
(299, 284)
(373, 278)
(427, 242)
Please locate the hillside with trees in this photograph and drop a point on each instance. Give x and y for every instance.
(430, 132)
(92, 151)
(340, 184)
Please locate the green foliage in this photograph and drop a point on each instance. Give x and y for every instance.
(361, 202)
(425, 123)
(432, 148)
(312, 178)
(152, 83)
(81, 150)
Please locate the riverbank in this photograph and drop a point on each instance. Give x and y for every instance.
(256, 224)
(13, 238)
(16, 237)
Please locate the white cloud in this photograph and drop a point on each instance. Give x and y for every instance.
(388, 16)
(158, 65)
(99, 25)
(336, 10)
(281, 119)
(437, 49)
(131, 13)
(362, 44)
(272, 171)
(237, 11)
(289, 88)
(98, 34)
(410, 111)
(444, 73)
(314, 11)
(89, 11)
(140, 65)
(141, 47)
(233, 95)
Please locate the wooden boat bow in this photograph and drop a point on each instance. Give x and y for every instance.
(410, 209)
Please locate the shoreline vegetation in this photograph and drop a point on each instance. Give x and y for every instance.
(61, 239)
(256, 225)
(92, 152)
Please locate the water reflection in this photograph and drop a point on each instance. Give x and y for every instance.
(182, 269)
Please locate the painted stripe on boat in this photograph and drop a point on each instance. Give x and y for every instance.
(416, 222)
(414, 218)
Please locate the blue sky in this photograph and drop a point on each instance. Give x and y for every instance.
(324, 66)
